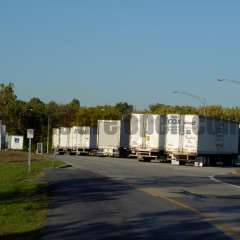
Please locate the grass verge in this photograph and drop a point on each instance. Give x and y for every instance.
(23, 200)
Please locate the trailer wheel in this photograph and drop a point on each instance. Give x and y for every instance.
(146, 159)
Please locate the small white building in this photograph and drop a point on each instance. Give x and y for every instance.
(15, 142)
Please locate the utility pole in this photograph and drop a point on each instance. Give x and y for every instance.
(30, 135)
(48, 132)
(201, 99)
(228, 80)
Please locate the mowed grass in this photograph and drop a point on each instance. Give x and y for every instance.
(23, 199)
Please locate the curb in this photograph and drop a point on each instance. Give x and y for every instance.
(65, 166)
(236, 173)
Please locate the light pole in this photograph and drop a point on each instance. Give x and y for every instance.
(48, 130)
(201, 99)
(228, 80)
(30, 133)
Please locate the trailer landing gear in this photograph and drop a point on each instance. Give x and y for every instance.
(178, 162)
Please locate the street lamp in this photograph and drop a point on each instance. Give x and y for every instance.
(29, 136)
(228, 80)
(48, 127)
(27, 110)
(48, 132)
(201, 99)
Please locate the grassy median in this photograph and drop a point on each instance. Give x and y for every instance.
(23, 199)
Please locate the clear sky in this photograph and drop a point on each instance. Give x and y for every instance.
(105, 51)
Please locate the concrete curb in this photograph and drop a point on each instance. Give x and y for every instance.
(236, 173)
(65, 166)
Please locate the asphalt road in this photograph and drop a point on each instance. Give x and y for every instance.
(111, 198)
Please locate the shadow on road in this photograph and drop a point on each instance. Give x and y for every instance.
(145, 226)
(89, 206)
(84, 205)
(21, 236)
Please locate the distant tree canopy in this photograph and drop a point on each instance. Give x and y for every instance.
(124, 108)
(211, 111)
(20, 115)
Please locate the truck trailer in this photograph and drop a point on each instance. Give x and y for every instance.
(74, 140)
(83, 140)
(3, 136)
(113, 138)
(201, 140)
(147, 136)
(55, 139)
(60, 140)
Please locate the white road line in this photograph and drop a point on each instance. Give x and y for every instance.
(214, 179)
(219, 181)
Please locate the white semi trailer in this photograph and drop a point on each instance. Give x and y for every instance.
(74, 140)
(202, 140)
(147, 136)
(55, 139)
(60, 140)
(3, 136)
(113, 138)
(83, 140)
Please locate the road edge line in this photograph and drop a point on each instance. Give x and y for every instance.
(212, 177)
(210, 218)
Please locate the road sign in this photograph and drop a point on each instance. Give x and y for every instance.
(30, 133)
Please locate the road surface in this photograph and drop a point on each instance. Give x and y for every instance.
(111, 198)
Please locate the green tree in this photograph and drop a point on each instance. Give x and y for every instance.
(124, 108)
(8, 106)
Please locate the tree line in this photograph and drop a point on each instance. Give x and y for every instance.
(20, 115)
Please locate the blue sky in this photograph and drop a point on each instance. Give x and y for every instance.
(107, 51)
